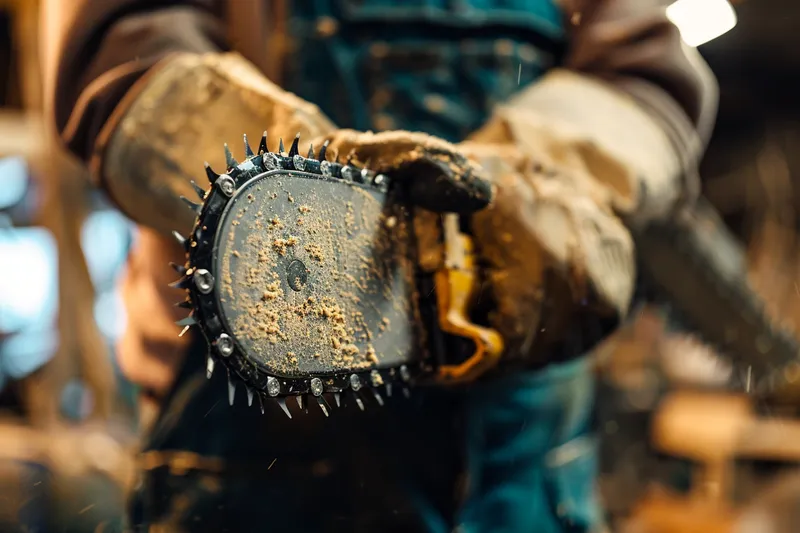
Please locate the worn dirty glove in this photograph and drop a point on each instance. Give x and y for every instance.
(551, 246)
(433, 173)
(178, 116)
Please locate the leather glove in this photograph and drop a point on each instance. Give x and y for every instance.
(551, 246)
(575, 162)
(547, 241)
(434, 174)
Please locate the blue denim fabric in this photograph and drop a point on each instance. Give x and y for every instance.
(437, 66)
(531, 458)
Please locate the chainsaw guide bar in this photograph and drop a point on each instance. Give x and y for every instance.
(301, 277)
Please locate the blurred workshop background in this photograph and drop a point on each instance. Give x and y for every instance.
(67, 418)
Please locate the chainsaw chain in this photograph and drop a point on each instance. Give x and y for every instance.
(199, 284)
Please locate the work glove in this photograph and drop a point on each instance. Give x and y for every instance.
(551, 247)
(575, 163)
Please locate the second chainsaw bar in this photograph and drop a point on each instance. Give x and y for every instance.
(700, 269)
(300, 276)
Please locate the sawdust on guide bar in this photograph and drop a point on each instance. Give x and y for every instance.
(350, 259)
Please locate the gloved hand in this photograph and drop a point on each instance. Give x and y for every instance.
(549, 239)
(434, 174)
(550, 244)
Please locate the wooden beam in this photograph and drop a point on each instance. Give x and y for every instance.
(21, 134)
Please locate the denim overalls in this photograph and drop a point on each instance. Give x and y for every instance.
(511, 455)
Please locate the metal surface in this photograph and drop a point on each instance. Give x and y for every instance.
(301, 276)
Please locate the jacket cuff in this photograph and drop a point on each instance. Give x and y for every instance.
(95, 162)
(619, 143)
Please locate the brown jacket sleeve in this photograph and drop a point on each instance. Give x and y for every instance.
(96, 50)
(633, 46)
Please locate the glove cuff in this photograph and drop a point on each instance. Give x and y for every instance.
(178, 116)
(573, 120)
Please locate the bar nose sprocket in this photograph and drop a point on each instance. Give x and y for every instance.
(300, 274)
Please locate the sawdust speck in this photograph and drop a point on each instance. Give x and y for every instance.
(280, 245)
(315, 252)
(273, 291)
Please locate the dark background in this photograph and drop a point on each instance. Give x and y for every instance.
(758, 67)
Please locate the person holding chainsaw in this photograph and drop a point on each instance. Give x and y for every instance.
(556, 126)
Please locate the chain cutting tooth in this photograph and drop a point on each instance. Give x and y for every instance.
(310, 151)
(181, 240)
(262, 146)
(358, 400)
(230, 161)
(180, 269)
(365, 172)
(186, 304)
(324, 405)
(302, 401)
(183, 331)
(338, 398)
(188, 321)
(355, 386)
(231, 389)
(209, 366)
(248, 152)
(182, 283)
(249, 396)
(281, 149)
(201, 193)
(210, 174)
(322, 151)
(260, 402)
(377, 395)
(295, 148)
(282, 403)
(388, 390)
(193, 206)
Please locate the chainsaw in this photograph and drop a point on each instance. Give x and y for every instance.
(301, 276)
